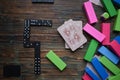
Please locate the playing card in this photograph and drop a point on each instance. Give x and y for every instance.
(67, 47)
(79, 23)
(72, 34)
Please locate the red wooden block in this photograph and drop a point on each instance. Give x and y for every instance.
(106, 31)
(86, 77)
(115, 46)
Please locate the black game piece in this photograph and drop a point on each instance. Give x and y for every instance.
(37, 66)
(43, 1)
(11, 71)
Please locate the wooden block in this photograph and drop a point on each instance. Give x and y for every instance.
(91, 50)
(115, 46)
(42, 1)
(94, 32)
(86, 77)
(56, 60)
(117, 38)
(90, 12)
(91, 74)
(108, 5)
(105, 16)
(116, 2)
(109, 65)
(110, 55)
(106, 32)
(117, 23)
(116, 77)
(99, 68)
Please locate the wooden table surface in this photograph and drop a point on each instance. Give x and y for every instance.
(12, 16)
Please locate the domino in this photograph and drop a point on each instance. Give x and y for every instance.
(11, 70)
(42, 1)
(47, 23)
(117, 23)
(115, 47)
(109, 65)
(90, 12)
(34, 22)
(37, 66)
(91, 50)
(116, 77)
(116, 2)
(56, 60)
(99, 68)
(108, 5)
(93, 32)
(105, 16)
(91, 74)
(117, 38)
(86, 77)
(27, 23)
(106, 32)
(108, 54)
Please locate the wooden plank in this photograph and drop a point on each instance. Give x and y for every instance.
(86, 77)
(106, 31)
(99, 68)
(114, 45)
(91, 50)
(116, 24)
(108, 5)
(94, 32)
(109, 65)
(91, 74)
(116, 77)
(92, 18)
(56, 60)
(109, 54)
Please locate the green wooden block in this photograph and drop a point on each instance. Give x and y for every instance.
(109, 65)
(109, 7)
(116, 77)
(117, 22)
(56, 60)
(91, 50)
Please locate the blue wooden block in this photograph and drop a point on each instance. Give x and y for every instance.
(117, 38)
(91, 74)
(110, 55)
(99, 68)
(117, 2)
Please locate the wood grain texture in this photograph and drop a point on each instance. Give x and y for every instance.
(12, 16)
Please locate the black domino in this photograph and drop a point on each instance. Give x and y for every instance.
(37, 67)
(12, 70)
(39, 23)
(43, 1)
(47, 23)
